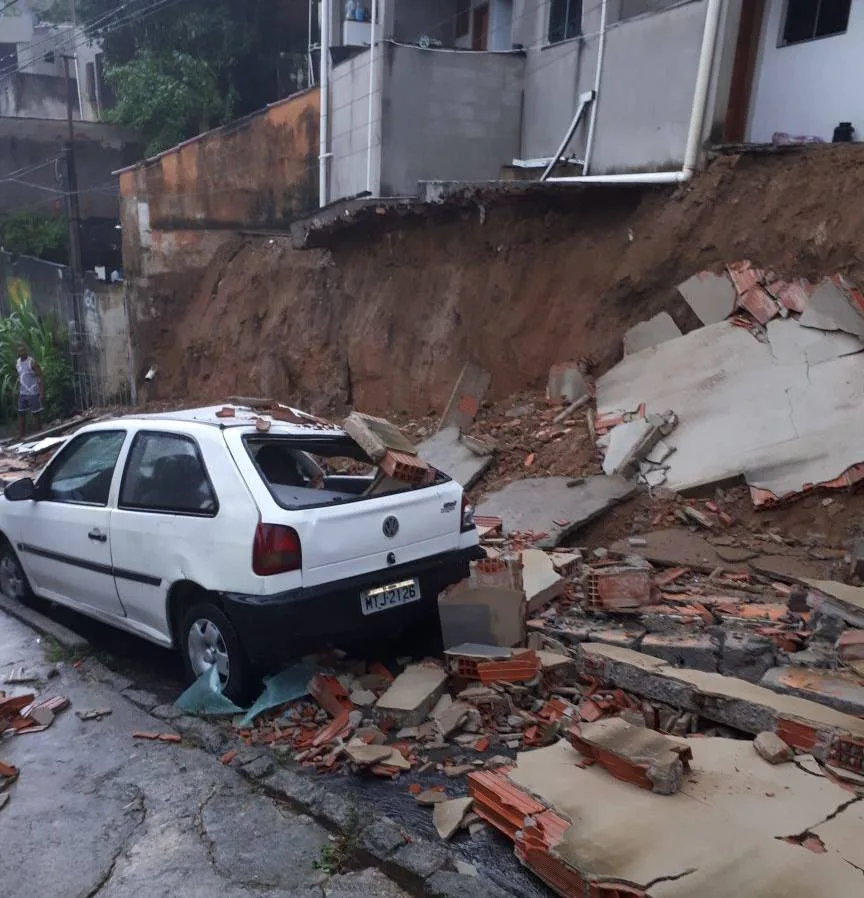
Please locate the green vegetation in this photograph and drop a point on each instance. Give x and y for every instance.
(166, 97)
(30, 234)
(48, 346)
(177, 71)
(342, 854)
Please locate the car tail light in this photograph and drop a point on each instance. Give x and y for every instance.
(276, 550)
(467, 514)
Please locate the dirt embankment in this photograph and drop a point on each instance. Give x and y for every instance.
(385, 318)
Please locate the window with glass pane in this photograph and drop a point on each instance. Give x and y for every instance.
(84, 468)
(565, 20)
(165, 473)
(807, 20)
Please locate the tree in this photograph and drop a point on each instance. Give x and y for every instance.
(166, 97)
(228, 47)
(32, 234)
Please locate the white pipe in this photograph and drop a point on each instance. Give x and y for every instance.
(373, 37)
(323, 152)
(697, 118)
(703, 84)
(592, 122)
(654, 177)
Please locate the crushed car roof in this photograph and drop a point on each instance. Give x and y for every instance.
(284, 420)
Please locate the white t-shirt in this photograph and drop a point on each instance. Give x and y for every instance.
(27, 377)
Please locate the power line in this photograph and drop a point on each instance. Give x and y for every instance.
(4, 8)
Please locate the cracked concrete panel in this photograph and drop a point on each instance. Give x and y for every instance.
(718, 836)
(650, 333)
(830, 309)
(711, 296)
(255, 843)
(538, 502)
(842, 834)
(751, 708)
(747, 407)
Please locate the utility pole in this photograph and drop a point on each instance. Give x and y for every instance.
(73, 217)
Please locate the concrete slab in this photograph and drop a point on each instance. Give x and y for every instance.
(836, 690)
(831, 309)
(674, 548)
(667, 845)
(790, 568)
(549, 505)
(635, 746)
(650, 333)
(566, 383)
(623, 441)
(745, 407)
(727, 700)
(540, 580)
(466, 397)
(413, 694)
(447, 452)
(710, 296)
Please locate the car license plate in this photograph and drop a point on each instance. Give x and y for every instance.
(374, 600)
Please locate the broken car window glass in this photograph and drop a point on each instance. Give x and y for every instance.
(304, 472)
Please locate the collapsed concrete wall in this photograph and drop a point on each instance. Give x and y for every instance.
(386, 315)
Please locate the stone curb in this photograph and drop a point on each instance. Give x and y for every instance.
(70, 641)
(416, 864)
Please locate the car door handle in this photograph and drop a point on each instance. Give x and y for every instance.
(98, 536)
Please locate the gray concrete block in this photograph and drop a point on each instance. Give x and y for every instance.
(681, 650)
(447, 452)
(650, 333)
(711, 296)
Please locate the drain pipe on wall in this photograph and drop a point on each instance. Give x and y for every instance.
(324, 123)
(373, 38)
(592, 122)
(697, 118)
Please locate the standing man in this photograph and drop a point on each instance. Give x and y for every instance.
(30, 390)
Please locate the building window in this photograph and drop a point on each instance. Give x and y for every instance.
(463, 18)
(807, 20)
(565, 20)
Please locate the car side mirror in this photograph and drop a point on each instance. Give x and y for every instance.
(20, 490)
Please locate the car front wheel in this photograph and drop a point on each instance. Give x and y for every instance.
(13, 581)
(208, 639)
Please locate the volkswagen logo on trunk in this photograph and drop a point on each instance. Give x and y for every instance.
(390, 527)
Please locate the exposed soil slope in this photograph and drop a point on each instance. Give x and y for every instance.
(385, 318)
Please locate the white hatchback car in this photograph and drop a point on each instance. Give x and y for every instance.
(240, 546)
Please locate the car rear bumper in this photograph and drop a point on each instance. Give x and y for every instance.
(278, 627)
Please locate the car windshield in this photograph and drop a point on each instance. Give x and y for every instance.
(302, 472)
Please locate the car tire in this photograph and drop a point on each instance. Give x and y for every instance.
(13, 581)
(207, 637)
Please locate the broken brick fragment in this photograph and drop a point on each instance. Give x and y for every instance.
(633, 754)
(229, 756)
(522, 667)
(404, 467)
(330, 694)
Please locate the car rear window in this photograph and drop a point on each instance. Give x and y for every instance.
(303, 472)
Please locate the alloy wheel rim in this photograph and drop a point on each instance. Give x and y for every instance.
(12, 578)
(207, 648)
